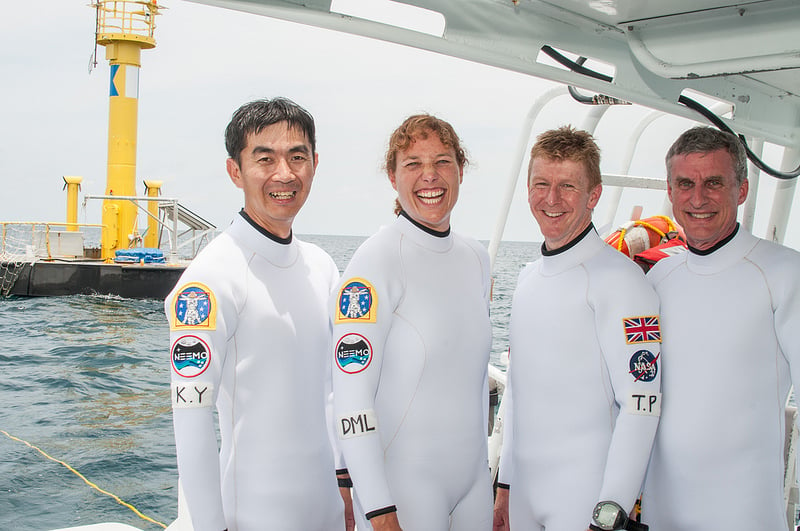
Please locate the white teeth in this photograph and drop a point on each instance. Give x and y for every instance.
(430, 193)
(553, 214)
(282, 195)
(430, 197)
(700, 216)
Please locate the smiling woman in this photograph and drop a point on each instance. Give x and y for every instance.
(415, 300)
(425, 163)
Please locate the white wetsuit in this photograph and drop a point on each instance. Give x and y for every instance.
(584, 373)
(250, 333)
(731, 333)
(412, 338)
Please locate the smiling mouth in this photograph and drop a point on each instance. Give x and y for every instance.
(553, 214)
(700, 215)
(430, 197)
(282, 196)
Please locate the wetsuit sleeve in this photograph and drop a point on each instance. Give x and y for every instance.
(628, 328)
(338, 456)
(200, 314)
(784, 284)
(505, 468)
(363, 311)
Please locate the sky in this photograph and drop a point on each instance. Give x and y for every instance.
(209, 60)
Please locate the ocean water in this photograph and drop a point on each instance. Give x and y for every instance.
(86, 380)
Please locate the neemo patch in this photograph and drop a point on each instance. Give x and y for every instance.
(194, 307)
(643, 365)
(645, 329)
(353, 353)
(357, 302)
(196, 394)
(644, 404)
(190, 356)
(357, 424)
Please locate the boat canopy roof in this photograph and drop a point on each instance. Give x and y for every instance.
(650, 52)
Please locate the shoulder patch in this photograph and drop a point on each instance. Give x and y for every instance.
(643, 366)
(190, 356)
(357, 302)
(353, 353)
(194, 307)
(645, 329)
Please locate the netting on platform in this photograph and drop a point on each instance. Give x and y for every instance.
(17, 248)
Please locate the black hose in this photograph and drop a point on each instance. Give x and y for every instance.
(575, 67)
(716, 121)
(578, 67)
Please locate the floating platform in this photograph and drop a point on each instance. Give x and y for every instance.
(129, 280)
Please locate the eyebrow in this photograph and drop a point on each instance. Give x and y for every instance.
(299, 148)
(414, 157)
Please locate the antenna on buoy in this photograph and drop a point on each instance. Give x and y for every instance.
(124, 28)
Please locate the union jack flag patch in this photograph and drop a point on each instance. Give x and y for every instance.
(644, 329)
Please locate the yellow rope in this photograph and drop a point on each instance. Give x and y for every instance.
(117, 498)
(671, 227)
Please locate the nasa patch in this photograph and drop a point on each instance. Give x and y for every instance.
(190, 356)
(357, 302)
(194, 307)
(643, 365)
(353, 353)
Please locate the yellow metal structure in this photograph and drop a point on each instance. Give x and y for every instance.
(152, 189)
(73, 184)
(125, 28)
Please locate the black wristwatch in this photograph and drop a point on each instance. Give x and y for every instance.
(609, 516)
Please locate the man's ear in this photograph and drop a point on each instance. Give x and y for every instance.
(234, 172)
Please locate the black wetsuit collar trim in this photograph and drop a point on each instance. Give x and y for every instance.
(265, 232)
(438, 234)
(718, 245)
(570, 245)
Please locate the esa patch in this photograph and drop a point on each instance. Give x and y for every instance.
(194, 307)
(645, 404)
(353, 353)
(357, 302)
(357, 424)
(643, 365)
(190, 356)
(644, 329)
(193, 395)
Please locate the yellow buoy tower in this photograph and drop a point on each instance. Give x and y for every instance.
(125, 28)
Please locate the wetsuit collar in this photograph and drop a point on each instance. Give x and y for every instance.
(420, 226)
(722, 255)
(265, 232)
(583, 247)
(717, 245)
(439, 242)
(563, 248)
(280, 252)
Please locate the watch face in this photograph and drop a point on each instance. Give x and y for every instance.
(608, 515)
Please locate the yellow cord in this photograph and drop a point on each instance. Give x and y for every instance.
(641, 223)
(117, 498)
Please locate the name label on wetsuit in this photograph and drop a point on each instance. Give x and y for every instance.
(191, 395)
(645, 404)
(357, 424)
